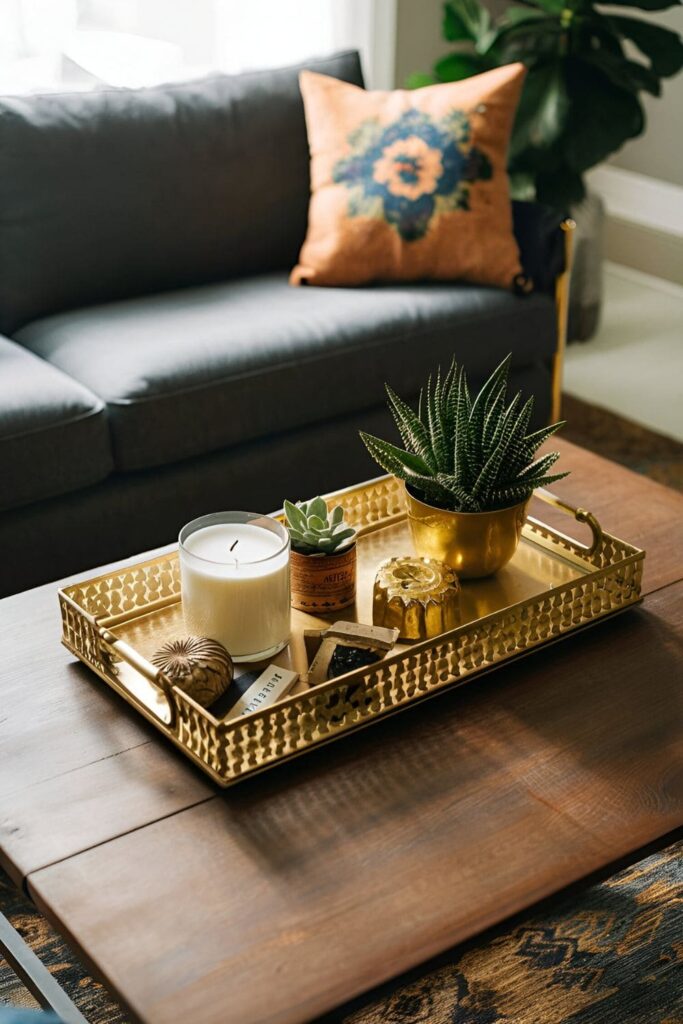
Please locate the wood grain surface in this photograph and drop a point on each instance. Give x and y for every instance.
(77, 764)
(326, 876)
(79, 767)
(299, 889)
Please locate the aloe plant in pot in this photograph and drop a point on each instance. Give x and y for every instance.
(323, 556)
(469, 468)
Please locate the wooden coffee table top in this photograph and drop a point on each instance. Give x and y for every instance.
(279, 899)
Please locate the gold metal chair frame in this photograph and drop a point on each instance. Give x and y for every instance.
(562, 284)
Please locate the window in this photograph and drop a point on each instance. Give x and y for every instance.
(85, 44)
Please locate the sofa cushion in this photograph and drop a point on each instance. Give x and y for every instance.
(54, 436)
(116, 193)
(200, 369)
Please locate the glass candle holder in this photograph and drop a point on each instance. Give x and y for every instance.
(234, 569)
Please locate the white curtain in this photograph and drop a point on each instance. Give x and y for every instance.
(48, 44)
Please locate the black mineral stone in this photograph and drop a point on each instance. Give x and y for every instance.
(346, 659)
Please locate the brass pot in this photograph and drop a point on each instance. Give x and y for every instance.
(475, 544)
(323, 583)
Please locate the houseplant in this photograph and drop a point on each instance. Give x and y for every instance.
(468, 467)
(323, 556)
(581, 97)
(581, 102)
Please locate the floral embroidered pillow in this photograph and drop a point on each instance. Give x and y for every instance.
(409, 185)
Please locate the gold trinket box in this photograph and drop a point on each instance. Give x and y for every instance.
(420, 597)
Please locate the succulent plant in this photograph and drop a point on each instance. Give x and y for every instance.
(314, 531)
(464, 454)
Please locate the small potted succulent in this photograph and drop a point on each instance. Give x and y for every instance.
(323, 556)
(468, 468)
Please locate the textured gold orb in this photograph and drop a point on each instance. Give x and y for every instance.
(418, 596)
(199, 666)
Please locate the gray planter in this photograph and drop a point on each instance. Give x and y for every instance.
(585, 293)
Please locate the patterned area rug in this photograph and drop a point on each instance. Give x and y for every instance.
(612, 954)
(623, 441)
(89, 996)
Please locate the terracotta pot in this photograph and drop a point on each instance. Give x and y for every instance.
(323, 583)
(475, 544)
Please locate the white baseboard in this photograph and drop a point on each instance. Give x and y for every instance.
(644, 228)
(638, 277)
(637, 198)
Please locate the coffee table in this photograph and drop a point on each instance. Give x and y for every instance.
(293, 892)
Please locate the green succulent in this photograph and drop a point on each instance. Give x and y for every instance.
(314, 531)
(464, 454)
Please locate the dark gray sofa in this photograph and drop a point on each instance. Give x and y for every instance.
(155, 364)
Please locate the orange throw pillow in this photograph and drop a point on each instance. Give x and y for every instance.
(409, 185)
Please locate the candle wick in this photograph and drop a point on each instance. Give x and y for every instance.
(234, 544)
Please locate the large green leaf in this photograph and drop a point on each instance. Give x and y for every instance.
(627, 74)
(644, 5)
(530, 40)
(550, 6)
(418, 80)
(661, 46)
(524, 16)
(602, 116)
(542, 113)
(560, 187)
(469, 19)
(455, 27)
(457, 66)
(523, 186)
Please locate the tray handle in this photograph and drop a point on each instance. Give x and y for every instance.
(153, 675)
(581, 515)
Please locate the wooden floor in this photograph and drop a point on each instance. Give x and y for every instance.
(280, 899)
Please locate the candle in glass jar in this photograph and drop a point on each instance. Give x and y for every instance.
(235, 582)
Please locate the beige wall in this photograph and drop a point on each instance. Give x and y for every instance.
(659, 151)
(658, 154)
(418, 36)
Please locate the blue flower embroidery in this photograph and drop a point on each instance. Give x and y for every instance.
(407, 171)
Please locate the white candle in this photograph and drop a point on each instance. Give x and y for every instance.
(235, 582)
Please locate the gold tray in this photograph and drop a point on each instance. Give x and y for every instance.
(553, 586)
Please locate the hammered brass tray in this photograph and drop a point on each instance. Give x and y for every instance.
(553, 586)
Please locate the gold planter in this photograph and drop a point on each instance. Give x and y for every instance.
(323, 583)
(475, 544)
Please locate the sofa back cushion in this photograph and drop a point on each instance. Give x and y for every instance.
(118, 193)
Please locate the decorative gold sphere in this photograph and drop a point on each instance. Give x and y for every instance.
(199, 666)
(418, 596)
